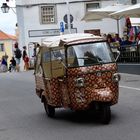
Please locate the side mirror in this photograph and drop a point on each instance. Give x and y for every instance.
(118, 54)
(60, 59)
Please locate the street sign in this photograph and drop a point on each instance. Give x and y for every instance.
(61, 27)
(65, 18)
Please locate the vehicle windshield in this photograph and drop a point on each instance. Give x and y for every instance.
(89, 54)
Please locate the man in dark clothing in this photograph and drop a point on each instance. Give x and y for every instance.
(12, 64)
(24, 54)
(17, 57)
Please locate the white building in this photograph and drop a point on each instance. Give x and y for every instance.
(41, 18)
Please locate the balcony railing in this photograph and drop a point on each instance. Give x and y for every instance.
(128, 53)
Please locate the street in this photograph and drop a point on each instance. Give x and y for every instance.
(22, 116)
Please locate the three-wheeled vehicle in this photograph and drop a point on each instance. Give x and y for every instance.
(77, 71)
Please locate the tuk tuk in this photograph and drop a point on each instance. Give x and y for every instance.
(77, 71)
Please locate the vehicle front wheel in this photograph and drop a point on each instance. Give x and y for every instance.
(105, 114)
(50, 110)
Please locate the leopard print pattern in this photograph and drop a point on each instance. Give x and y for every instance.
(99, 87)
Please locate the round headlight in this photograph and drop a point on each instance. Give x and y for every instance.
(116, 77)
(79, 82)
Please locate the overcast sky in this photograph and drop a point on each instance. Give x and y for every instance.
(8, 20)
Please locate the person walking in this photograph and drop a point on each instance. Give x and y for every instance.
(24, 54)
(3, 65)
(17, 57)
(26, 62)
(12, 65)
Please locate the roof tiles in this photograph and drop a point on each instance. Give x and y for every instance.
(4, 36)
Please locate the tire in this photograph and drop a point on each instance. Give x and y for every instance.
(105, 114)
(50, 110)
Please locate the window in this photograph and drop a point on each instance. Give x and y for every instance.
(89, 54)
(56, 54)
(48, 14)
(53, 55)
(1, 47)
(46, 57)
(90, 6)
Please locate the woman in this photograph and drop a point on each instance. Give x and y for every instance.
(3, 65)
(24, 55)
(26, 62)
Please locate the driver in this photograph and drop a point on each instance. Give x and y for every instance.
(89, 58)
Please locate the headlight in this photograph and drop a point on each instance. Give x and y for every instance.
(116, 77)
(79, 82)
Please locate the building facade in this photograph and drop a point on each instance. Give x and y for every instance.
(7, 45)
(38, 19)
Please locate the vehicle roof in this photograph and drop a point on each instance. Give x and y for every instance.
(56, 41)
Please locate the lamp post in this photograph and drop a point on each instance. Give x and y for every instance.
(5, 8)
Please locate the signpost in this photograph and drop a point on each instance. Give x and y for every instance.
(61, 27)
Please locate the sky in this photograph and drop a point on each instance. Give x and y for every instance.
(8, 20)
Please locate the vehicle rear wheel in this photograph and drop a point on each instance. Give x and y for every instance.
(50, 110)
(105, 114)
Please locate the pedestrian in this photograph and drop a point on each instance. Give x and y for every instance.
(126, 41)
(110, 40)
(17, 57)
(3, 65)
(23, 55)
(105, 36)
(26, 62)
(138, 43)
(138, 39)
(36, 46)
(117, 38)
(12, 65)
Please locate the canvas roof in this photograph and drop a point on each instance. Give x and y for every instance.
(100, 13)
(131, 11)
(56, 40)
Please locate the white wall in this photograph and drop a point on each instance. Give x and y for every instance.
(28, 19)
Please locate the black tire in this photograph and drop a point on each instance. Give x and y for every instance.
(50, 110)
(105, 114)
